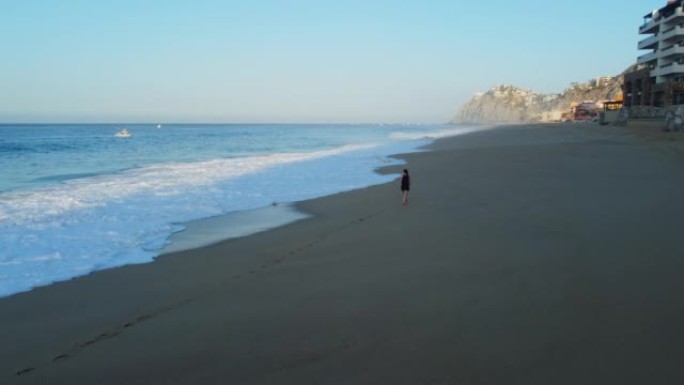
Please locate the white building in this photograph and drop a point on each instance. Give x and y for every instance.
(665, 42)
(658, 79)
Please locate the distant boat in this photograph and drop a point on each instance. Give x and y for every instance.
(158, 125)
(123, 133)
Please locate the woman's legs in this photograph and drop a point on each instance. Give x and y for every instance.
(404, 198)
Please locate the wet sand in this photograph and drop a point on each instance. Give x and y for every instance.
(527, 255)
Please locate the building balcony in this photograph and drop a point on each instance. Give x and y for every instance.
(668, 70)
(672, 33)
(649, 42)
(647, 58)
(649, 27)
(672, 51)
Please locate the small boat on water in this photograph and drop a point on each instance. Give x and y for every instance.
(123, 133)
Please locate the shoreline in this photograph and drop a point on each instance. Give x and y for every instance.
(527, 254)
(204, 232)
(209, 231)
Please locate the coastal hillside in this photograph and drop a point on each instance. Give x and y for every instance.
(510, 104)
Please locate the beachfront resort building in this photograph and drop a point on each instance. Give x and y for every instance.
(658, 78)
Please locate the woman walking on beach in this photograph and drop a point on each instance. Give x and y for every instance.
(405, 187)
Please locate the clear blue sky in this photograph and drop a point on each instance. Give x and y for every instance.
(297, 61)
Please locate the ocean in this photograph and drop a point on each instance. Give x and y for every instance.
(76, 198)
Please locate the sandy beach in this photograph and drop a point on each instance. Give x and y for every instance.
(544, 254)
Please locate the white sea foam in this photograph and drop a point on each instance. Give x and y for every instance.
(162, 180)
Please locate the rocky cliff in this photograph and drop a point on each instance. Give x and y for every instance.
(509, 104)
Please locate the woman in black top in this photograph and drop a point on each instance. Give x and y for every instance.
(405, 187)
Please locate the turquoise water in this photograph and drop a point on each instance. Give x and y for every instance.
(76, 198)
